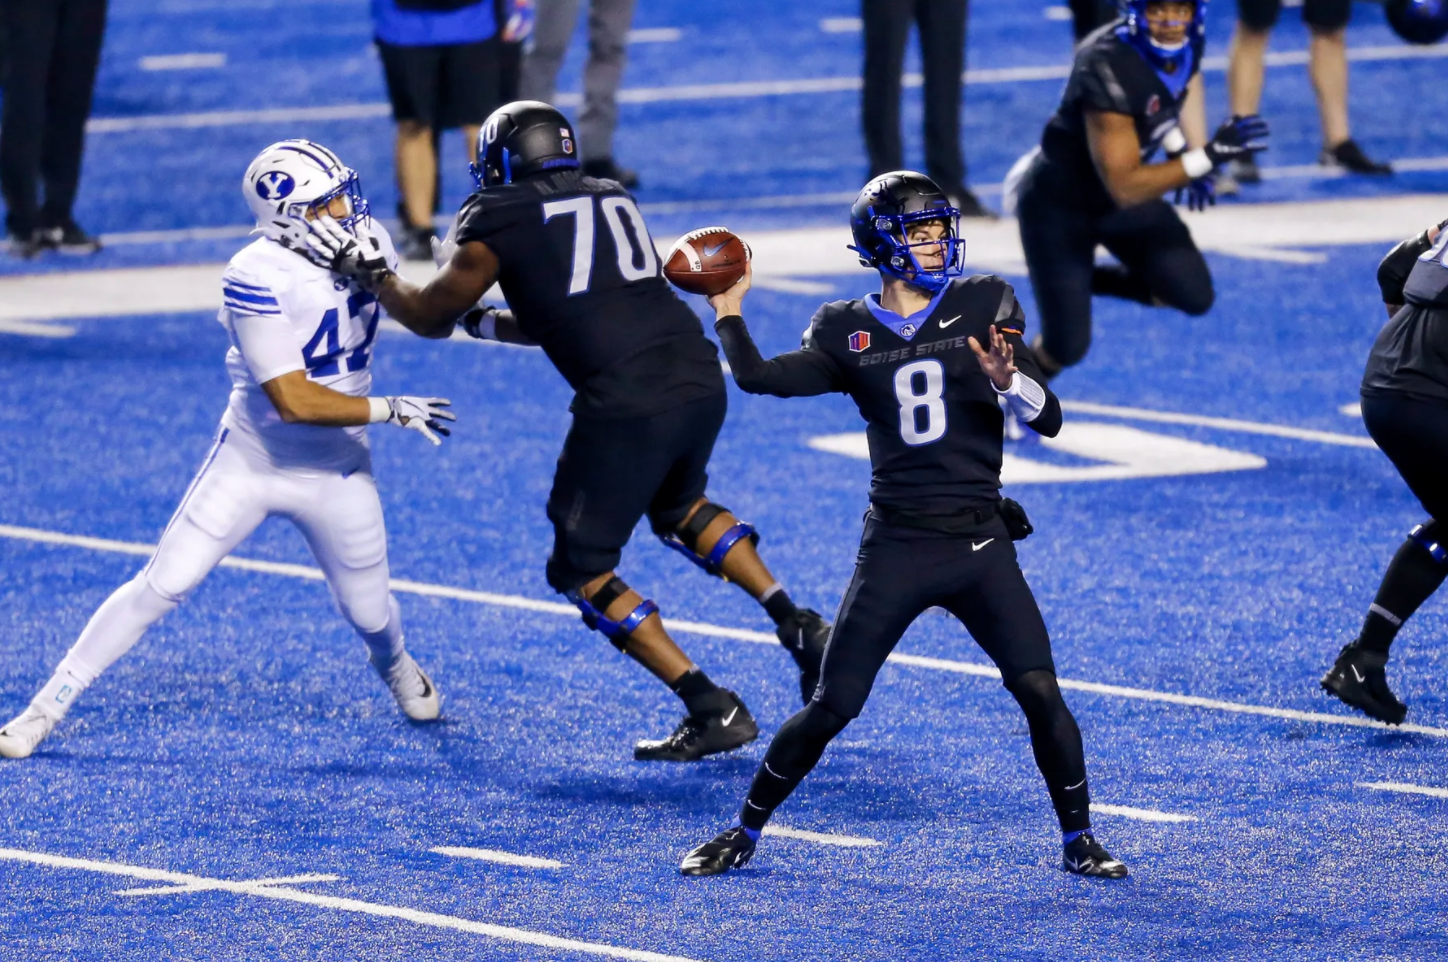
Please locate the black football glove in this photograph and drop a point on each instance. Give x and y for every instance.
(1236, 139)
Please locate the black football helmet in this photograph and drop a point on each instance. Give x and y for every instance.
(521, 139)
(879, 219)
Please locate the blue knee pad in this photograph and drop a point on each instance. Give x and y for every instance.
(687, 538)
(1427, 536)
(617, 632)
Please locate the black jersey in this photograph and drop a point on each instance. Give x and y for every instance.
(933, 420)
(582, 277)
(1111, 76)
(1410, 355)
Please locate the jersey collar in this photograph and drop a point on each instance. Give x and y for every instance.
(905, 327)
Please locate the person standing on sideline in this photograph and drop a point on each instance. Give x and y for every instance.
(48, 75)
(441, 60)
(608, 26)
(942, 49)
(1327, 66)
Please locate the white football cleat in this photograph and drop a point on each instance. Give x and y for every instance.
(415, 693)
(19, 738)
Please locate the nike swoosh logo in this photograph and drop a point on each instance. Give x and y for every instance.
(1357, 674)
(730, 717)
(945, 324)
(977, 547)
(711, 251)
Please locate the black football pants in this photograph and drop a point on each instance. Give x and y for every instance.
(942, 52)
(1413, 433)
(1160, 264)
(54, 47)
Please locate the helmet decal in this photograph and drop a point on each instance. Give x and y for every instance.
(275, 185)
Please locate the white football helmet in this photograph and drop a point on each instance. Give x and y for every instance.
(292, 177)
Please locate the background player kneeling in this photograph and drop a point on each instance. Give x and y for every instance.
(927, 362)
(292, 443)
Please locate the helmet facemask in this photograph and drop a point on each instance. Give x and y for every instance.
(901, 258)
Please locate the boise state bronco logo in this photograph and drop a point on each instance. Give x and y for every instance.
(275, 185)
(860, 341)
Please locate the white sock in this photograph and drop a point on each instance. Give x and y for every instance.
(112, 631)
(386, 646)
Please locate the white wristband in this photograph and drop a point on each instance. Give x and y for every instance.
(1175, 141)
(488, 326)
(1197, 163)
(381, 410)
(1026, 398)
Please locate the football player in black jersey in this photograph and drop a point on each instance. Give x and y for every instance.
(1091, 181)
(1405, 408)
(929, 362)
(582, 280)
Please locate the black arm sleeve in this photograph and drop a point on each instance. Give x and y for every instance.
(1394, 270)
(801, 373)
(1010, 321)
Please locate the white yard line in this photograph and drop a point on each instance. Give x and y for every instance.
(720, 631)
(1226, 424)
(184, 61)
(706, 92)
(655, 35)
(494, 855)
(1140, 814)
(211, 886)
(823, 838)
(1405, 788)
(333, 903)
(36, 329)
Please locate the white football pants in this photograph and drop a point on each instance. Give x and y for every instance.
(339, 514)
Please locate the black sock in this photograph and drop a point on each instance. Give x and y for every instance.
(1113, 281)
(791, 756)
(699, 695)
(777, 604)
(1412, 577)
(1056, 743)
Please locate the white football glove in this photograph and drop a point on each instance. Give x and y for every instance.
(443, 250)
(422, 414)
(358, 256)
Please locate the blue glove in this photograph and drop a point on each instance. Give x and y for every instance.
(518, 26)
(1200, 193)
(1237, 139)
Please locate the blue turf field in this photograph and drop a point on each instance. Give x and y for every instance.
(245, 738)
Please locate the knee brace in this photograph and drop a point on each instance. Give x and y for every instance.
(686, 538)
(1427, 536)
(593, 610)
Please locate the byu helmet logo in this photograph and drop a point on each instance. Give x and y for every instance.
(275, 185)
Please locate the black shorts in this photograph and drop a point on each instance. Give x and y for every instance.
(1323, 15)
(900, 572)
(613, 471)
(442, 87)
(1413, 433)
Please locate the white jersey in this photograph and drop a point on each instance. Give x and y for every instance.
(283, 314)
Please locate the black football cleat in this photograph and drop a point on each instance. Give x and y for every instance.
(805, 636)
(722, 730)
(1083, 855)
(729, 849)
(1349, 156)
(1359, 678)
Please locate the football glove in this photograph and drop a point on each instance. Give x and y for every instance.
(1200, 193)
(521, 16)
(422, 414)
(1237, 139)
(443, 250)
(358, 256)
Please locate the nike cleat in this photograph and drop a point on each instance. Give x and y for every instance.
(19, 738)
(701, 735)
(1359, 678)
(804, 636)
(415, 693)
(1083, 855)
(729, 849)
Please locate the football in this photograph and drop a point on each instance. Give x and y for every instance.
(706, 261)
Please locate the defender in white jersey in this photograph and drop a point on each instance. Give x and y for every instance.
(292, 443)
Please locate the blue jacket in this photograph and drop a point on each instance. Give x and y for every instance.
(425, 28)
